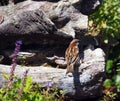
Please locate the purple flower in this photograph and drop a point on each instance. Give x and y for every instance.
(19, 42)
(14, 61)
(16, 51)
(50, 84)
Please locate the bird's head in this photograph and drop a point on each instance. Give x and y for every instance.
(74, 42)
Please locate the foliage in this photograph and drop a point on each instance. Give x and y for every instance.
(32, 92)
(113, 69)
(106, 23)
(107, 19)
(109, 96)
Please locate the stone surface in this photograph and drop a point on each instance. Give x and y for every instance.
(45, 26)
(88, 77)
(86, 82)
(1, 58)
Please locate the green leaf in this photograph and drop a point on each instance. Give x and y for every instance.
(117, 82)
(28, 84)
(5, 75)
(109, 65)
(107, 83)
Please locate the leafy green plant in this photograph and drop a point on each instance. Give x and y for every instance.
(113, 69)
(106, 20)
(31, 92)
(109, 96)
(106, 23)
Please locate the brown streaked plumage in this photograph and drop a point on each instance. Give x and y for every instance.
(71, 55)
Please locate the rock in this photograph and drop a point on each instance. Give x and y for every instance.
(85, 83)
(88, 77)
(1, 19)
(59, 61)
(30, 24)
(1, 58)
(90, 6)
(44, 26)
(44, 22)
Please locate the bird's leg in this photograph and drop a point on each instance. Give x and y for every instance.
(81, 61)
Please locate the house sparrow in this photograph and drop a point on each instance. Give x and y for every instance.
(72, 55)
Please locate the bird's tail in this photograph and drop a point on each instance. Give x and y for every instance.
(70, 69)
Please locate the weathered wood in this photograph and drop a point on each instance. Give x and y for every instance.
(86, 82)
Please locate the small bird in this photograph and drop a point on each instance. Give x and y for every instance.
(72, 55)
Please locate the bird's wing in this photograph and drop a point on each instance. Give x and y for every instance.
(71, 54)
(75, 54)
(67, 54)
